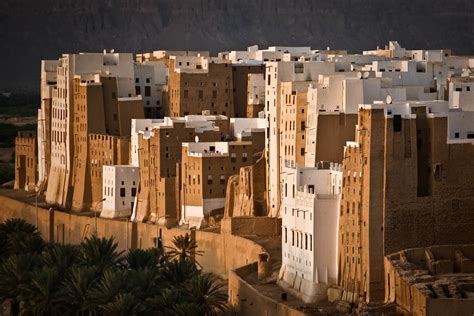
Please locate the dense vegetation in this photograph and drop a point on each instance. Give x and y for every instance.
(94, 278)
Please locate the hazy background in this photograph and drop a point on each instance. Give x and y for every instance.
(31, 30)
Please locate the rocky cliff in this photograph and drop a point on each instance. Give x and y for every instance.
(32, 30)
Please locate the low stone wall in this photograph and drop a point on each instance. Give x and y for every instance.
(226, 255)
(246, 300)
(222, 252)
(252, 226)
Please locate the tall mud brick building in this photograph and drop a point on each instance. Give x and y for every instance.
(407, 182)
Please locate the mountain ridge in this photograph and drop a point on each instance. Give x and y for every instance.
(35, 30)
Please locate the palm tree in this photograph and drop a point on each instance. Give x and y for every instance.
(63, 257)
(207, 293)
(114, 281)
(166, 301)
(75, 289)
(144, 282)
(23, 242)
(124, 304)
(15, 275)
(178, 272)
(138, 258)
(184, 248)
(100, 252)
(188, 309)
(42, 292)
(19, 237)
(13, 225)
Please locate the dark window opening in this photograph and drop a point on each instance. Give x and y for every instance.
(397, 123)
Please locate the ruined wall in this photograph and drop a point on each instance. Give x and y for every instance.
(245, 194)
(418, 291)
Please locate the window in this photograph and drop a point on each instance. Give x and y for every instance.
(147, 91)
(244, 157)
(185, 94)
(303, 126)
(233, 157)
(222, 180)
(302, 151)
(214, 94)
(147, 80)
(137, 90)
(209, 179)
(122, 192)
(134, 192)
(397, 123)
(437, 172)
(286, 237)
(137, 80)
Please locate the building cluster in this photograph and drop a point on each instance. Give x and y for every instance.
(361, 155)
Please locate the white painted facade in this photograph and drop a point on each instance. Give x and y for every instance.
(244, 127)
(310, 216)
(461, 94)
(119, 189)
(277, 72)
(150, 79)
